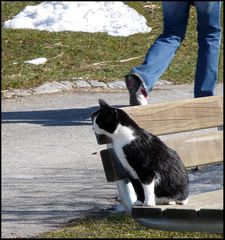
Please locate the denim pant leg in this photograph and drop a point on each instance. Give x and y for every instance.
(160, 54)
(209, 31)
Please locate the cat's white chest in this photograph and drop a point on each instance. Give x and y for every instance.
(122, 137)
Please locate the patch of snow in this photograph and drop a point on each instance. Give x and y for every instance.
(115, 18)
(37, 61)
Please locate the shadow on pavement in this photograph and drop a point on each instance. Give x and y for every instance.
(64, 117)
(59, 117)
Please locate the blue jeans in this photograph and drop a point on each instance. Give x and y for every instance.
(160, 54)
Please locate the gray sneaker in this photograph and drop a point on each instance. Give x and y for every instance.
(138, 95)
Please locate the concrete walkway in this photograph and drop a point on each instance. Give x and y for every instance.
(51, 168)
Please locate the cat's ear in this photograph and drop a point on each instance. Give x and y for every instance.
(103, 104)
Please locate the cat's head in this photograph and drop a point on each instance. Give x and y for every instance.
(105, 120)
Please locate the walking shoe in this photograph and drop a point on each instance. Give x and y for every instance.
(138, 95)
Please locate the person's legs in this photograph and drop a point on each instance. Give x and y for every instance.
(160, 54)
(209, 31)
(141, 79)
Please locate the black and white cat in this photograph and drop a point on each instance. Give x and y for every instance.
(156, 171)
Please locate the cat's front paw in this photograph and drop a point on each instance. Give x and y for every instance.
(149, 203)
(137, 203)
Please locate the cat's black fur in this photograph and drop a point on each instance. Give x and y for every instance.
(148, 156)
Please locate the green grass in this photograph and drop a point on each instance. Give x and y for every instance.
(117, 226)
(73, 54)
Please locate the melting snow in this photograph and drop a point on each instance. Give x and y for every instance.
(115, 18)
(37, 61)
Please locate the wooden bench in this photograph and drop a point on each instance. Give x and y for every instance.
(168, 120)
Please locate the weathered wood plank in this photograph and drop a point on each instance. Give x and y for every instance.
(176, 116)
(107, 165)
(194, 150)
(198, 149)
(211, 213)
(207, 205)
(112, 167)
(146, 212)
(102, 139)
(212, 200)
(179, 116)
(173, 213)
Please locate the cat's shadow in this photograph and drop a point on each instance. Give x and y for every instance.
(57, 117)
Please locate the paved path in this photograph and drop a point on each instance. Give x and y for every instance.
(51, 168)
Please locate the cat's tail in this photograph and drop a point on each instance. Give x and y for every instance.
(182, 202)
(168, 201)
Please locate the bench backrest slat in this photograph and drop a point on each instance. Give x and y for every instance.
(176, 116)
(179, 116)
(194, 150)
(198, 149)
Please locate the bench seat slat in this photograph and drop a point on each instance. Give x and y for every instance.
(199, 205)
(174, 213)
(211, 213)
